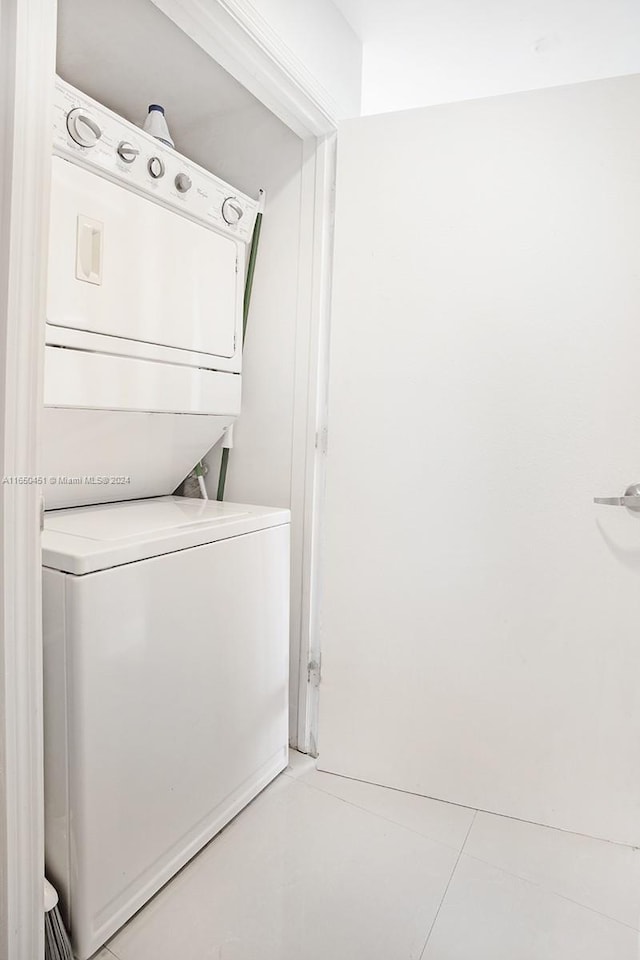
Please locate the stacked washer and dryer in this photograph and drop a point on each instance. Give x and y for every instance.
(165, 619)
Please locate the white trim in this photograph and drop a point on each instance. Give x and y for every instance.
(299, 431)
(27, 57)
(317, 416)
(310, 410)
(242, 41)
(234, 34)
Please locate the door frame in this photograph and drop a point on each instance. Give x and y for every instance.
(234, 34)
(27, 57)
(241, 41)
(310, 426)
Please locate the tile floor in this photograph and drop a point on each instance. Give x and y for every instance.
(323, 868)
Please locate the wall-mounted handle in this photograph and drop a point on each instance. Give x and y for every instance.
(631, 498)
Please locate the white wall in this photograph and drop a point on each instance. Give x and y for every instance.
(418, 53)
(317, 33)
(255, 150)
(480, 613)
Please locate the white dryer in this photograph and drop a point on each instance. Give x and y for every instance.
(166, 675)
(143, 355)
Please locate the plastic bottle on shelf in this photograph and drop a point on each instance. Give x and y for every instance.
(156, 124)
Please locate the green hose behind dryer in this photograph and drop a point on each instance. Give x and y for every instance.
(248, 288)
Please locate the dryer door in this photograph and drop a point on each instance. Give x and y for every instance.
(125, 266)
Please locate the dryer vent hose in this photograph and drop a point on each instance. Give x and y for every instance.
(248, 287)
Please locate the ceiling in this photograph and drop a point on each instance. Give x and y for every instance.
(420, 52)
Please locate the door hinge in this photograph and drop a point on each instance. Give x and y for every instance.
(314, 672)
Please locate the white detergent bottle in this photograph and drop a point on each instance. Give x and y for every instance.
(156, 125)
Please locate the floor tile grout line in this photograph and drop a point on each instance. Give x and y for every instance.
(490, 813)
(468, 834)
(553, 893)
(446, 889)
(403, 826)
(502, 816)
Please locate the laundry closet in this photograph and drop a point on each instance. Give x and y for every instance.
(166, 617)
(128, 54)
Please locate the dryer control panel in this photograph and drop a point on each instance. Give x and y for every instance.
(91, 136)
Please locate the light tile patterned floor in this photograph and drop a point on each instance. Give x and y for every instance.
(324, 868)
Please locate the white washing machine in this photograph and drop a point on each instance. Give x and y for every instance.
(166, 676)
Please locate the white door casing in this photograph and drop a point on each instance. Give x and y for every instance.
(27, 56)
(480, 615)
(310, 432)
(238, 37)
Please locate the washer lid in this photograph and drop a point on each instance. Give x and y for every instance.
(86, 539)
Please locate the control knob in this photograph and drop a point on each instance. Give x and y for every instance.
(82, 128)
(127, 152)
(183, 182)
(232, 211)
(156, 168)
